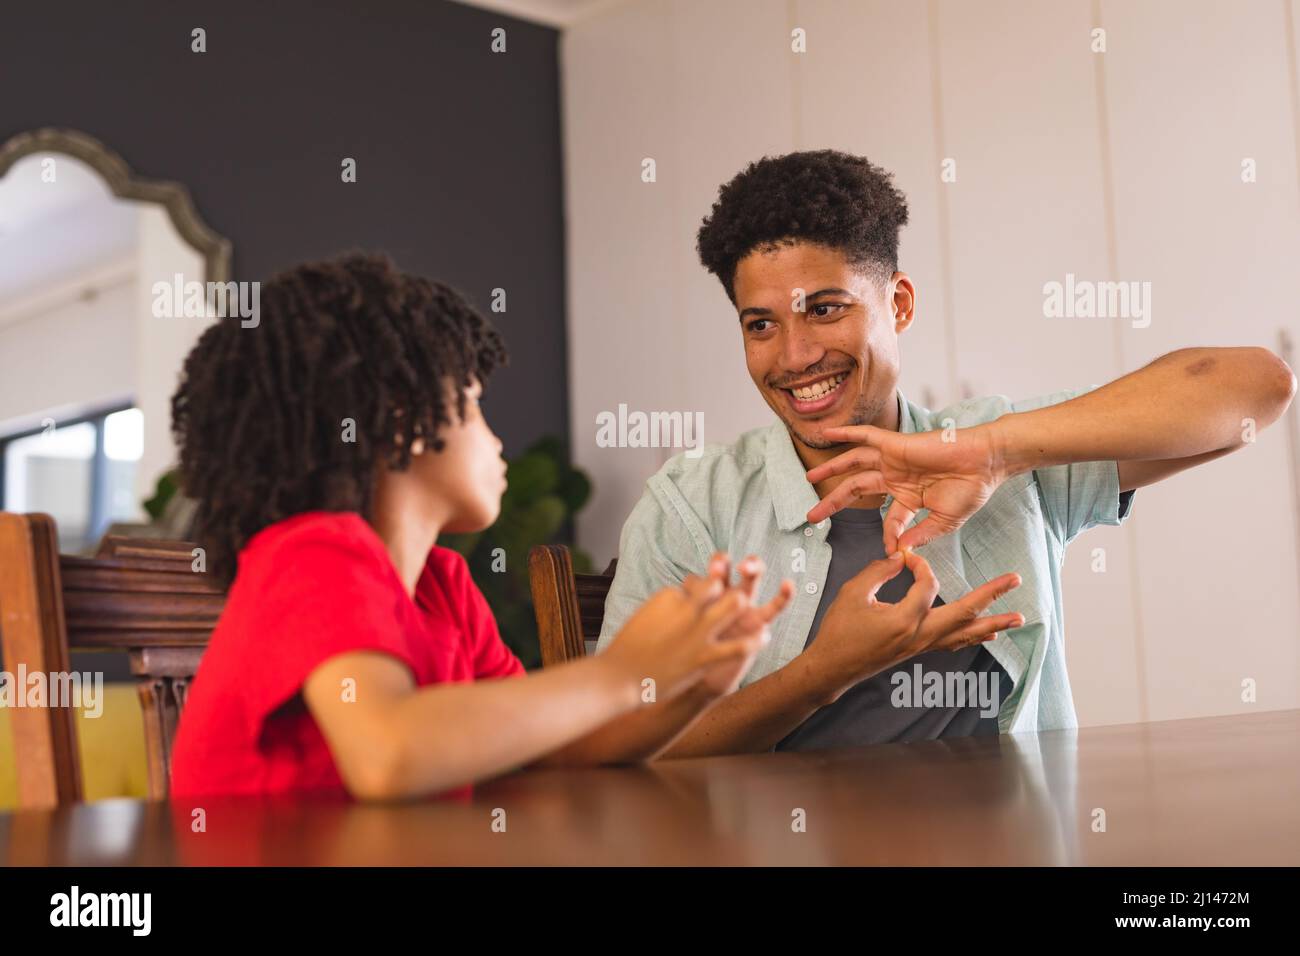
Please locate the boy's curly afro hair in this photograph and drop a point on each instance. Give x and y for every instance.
(261, 414)
(821, 196)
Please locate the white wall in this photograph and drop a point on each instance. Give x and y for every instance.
(63, 353)
(67, 353)
(161, 344)
(1122, 165)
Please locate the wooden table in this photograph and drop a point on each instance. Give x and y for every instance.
(1214, 791)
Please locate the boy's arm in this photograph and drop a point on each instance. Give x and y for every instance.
(646, 732)
(393, 739)
(634, 737)
(390, 738)
(657, 548)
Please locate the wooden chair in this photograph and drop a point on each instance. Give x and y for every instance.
(569, 607)
(137, 595)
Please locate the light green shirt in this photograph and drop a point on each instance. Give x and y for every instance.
(751, 497)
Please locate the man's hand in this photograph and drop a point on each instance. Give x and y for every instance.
(861, 636)
(952, 479)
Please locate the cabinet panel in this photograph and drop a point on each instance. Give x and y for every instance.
(1194, 89)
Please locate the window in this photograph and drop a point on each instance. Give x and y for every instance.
(80, 471)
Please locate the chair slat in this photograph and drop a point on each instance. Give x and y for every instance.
(569, 607)
(139, 595)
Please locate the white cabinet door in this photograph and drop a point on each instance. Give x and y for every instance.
(861, 91)
(1194, 90)
(1018, 116)
(702, 90)
(731, 63)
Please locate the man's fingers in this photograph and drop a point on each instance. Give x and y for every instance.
(979, 631)
(846, 492)
(852, 460)
(925, 586)
(858, 434)
(987, 593)
(871, 578)
(896, 520)
(956, 614)
(927, 530)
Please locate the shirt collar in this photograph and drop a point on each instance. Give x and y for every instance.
(792, 495)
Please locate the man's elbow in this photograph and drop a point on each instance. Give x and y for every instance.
(1286, 383)
(1274, 387)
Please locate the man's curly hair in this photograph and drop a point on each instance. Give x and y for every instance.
(821, 196)
(260, 414)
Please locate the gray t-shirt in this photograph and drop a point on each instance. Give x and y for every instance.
(919, 699)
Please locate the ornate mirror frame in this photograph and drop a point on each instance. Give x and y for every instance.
(125, 184)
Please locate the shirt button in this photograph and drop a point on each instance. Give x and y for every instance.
(807, 532)
(811, 587)
(824, 522)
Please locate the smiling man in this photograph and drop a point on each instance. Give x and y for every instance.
(875, 648)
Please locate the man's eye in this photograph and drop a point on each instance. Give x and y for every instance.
(754, 325)
(824, 305)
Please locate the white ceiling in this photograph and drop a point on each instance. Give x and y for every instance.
(53, 231)
(25, 198)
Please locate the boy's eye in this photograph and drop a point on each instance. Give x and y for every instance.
(814, 310)
(753, 326)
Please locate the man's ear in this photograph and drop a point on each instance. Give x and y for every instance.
(902, 300)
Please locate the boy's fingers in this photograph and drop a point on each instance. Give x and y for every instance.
(730, 650)
(779, 601)
(751, 571)
(723, 611)
(701, 590)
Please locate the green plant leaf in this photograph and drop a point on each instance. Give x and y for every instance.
(167, 486)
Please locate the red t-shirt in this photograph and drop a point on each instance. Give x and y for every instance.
(309, 588)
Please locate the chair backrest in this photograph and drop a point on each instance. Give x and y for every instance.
(569, 607)
(138, 595)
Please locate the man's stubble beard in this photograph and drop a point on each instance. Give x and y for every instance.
(864, 413)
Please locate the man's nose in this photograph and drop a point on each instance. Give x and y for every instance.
(799, 350)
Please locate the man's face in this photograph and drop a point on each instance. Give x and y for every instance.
(835, 362)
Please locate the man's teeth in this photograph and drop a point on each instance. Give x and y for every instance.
(818, 389)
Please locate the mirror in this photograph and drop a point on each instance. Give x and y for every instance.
(88, 357)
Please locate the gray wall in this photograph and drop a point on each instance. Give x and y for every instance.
(458, 149)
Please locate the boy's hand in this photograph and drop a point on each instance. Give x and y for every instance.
(682, 634)
(751, 626)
